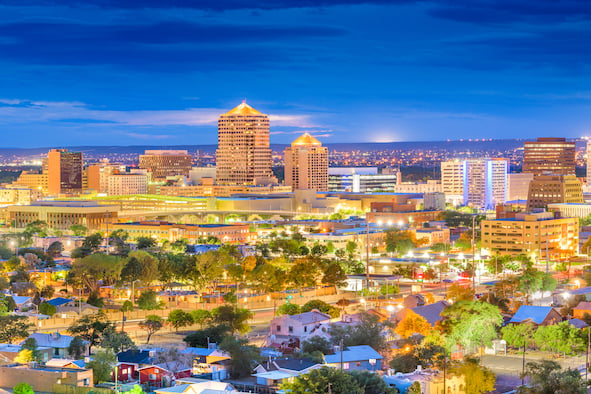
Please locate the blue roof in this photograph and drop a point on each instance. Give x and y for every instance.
(431, 312)
(354, 353)
(536, 314)
(59, 301)
(582, 290)
(198, 351)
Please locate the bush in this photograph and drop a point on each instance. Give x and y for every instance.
(47, 309)
(23, 388)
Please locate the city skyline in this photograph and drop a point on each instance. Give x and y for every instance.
(100, 72)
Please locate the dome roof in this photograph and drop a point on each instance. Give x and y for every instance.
(243, 109)
(306, 139)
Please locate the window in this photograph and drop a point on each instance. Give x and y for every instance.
(290, 329)
(152, 376)
(358, 363)
(305, 328)
(86, 382)
(278, 328)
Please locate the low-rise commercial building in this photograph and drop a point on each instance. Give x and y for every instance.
(551, 189)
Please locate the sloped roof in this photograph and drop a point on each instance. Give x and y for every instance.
(243, 109)
(134, 356)
(58, 301)
(431, 312)
(294, 364)
(354, 353)
(313, 316)
(54, 340)
(536, 314)
(584, 305)
(19, 300)
(577, 323)
(306, 139)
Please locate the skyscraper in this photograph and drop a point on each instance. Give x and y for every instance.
(306, 164)
(553, 189)
(244, 153)
(64, 171)
(549, 155)
(163, 163)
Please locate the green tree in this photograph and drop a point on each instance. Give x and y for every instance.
(23, 388)
(414, 388)
(304, 273)
(179, 318)
(76, 348)
(91, 328)
(323, 380)
(334, 275)
(13, 328)
(149, 266)
(151, 325)
(477, 379)
(243, 357)
(145, 243)
(457, 292)
(91, 270)
(368, 331)
(31, 344)
(317, 343)
(201, 316)
(203, 337)
(25, 356)
(321, 306)
(371, 383)
(518, 335)
(116, 341)
(102, 365)
(548, 377)
(47, 309)
(233, 317)
(55, 249)
(561, 337)
(132, 270)
(148, 300)
(127, 306)
(78, 230)
(288, 309)
(471, 323)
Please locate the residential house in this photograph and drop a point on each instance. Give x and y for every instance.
(8, 353)
(290, 330)
(413, 300)
(362, 357)
(130, 361)
(23, 302)
(274, 372)
(67, 307)
(538, 315)
(432, 382)
(578, 323)
(58, 342)
(430, 312)
(198, 386)
(582, 309)
(164, 374)
(66, 363)
(209, 361)
(43, 378)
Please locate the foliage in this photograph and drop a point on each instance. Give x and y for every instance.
(78, 230)
(91, 269)
(55, 249)
(414, 388)
(322, 307)
(200, 316)
(127, 306)
(31, 344)
(76, 348)
(317, 343)
(213, 334)
(456, 219)
(152, 324)
(548, 377)
(13, 327)
(102, 365)
(23, 388)
(334, 275)
(532, 281)
(117, 341)
(457, 292)
(148, 266)
(148, 300)
(426, 355)
(95, 300)
(469, 323)
(47, 309)
(477, 379)
(243, 357)
(367, 332)
(234, 317)
(172, 359)
(25, 356)
(207, 267)
(268, 277)
(323, 380)
(47, 292)
(288, 309)
(399, 241)
(145, 242)
(304, 273)
(517, 335)
(412, 324)
(371, 383)
(562, 337)
(91, 328)
(179, 318)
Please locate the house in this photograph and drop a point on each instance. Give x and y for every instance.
(582, 309)
(362, 357)
(413, 300)
(430, 312)
(198, 386)
(42, 379)
(58, 342)
(8, 353)
(164, 374)
(130, 361)
(59, 301)
(272, 373)
(23, 302)
(432, 382)
(67, 307)
(538, 315)
(66, 363)
(297, 328)
(578, 323)
(208, 361)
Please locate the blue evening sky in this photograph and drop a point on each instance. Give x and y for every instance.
(159, 72)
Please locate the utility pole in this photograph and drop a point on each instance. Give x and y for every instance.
(523, 364)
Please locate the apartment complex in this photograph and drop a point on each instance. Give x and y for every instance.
(532, 233)
(244, 153)
(194, 233)
(452, 181)
(97, 175)
(549, 155)
(552, 189)
(165, 163)
(127, 183)
(306, 164)
(64, 171)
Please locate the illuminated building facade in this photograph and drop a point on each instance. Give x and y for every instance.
(552, 189)
(306, 164)
(549, 155)
(33, 180)
(244, 153)
(64, 171)
(126, 184)
(361, 180)
(164, 163)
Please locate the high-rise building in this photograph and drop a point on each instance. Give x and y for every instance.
(552, 189)
(244, 153)
(588, 163)
(64, 171)
(164, 163)
(479, 183)
(306, 164)
(97, 175)
(518, 185)
(549, 155)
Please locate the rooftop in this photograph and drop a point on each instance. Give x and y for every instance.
(536, 314)
(354, 353)
(243, 110)
(306, 139)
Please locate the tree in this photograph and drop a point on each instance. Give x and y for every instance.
(47, 292)
(149, 266)
(13, 328)
(179, 318)
(303, 273)
(55, 249)
(202, 338)
(200, 316)
(132, 270)
(91, 269)
(116, 341)
(102, 365)
(371, 383)
(322, 307)
(477, 379)
(76, 348)
(148, 300)
(517, 335)
(323, 380)
(317, 343)
(412, 324)
(23, 388)
(78, 230)
(145, 242)
(548, 377)
(47, 309)
(562, 337)
(288, 309)
(25, 356)
(243, 357)
(471, 323)
(127, 306)
(91, 328)
(12, 264)
(334, 275)
(172, 359)
(236, 318)
(152, 324)
(31, 344)
(457, 292)
(368, 331)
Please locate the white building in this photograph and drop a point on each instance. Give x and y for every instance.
(431, 186)
(127, 183)
(434, 200)
(361, 179)
(452, 181)
(518, 185)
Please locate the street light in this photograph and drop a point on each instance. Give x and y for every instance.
(364, 303)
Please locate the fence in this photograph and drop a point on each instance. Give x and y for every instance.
(71, 389)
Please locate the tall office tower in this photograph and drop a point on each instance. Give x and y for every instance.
(163, 163)
(306, 164)
(64, 171)
(552, 189)
(518, 185)
(452, 181)
(479, 183)
(549, 155)
(244, 153)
